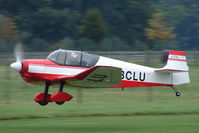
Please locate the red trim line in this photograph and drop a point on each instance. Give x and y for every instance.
(126, 83)
(177, 59)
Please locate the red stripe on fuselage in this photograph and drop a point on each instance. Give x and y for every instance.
(126, 83)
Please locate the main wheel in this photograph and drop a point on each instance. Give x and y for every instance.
(60, 103)
(177, 94)
(43, 103)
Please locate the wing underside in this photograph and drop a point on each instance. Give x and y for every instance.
(95, 77)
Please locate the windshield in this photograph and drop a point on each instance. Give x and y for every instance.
(73, 58)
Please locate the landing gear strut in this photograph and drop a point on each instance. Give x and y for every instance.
(175, 90)
(59, 97)
(43, 98)
(60, 90)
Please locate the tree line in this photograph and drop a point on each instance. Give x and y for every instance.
(44, 25)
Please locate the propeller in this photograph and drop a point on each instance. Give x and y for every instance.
(18, 51)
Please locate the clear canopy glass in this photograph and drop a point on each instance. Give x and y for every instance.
(73, 58)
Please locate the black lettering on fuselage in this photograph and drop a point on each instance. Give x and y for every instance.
(136, 76)
(128, 75)
(142, 76)
(122, 75)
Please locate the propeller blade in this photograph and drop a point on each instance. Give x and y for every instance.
(18, 51)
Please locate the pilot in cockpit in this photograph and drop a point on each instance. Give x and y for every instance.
(73, 58)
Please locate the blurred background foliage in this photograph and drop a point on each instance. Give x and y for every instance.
(45, 25)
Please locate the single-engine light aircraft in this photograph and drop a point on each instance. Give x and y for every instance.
(84, 70)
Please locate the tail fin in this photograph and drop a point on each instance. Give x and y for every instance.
(176, 62)
(177, 66)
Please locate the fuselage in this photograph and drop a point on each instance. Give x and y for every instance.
(133, 75)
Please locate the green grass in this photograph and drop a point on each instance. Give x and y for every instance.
(102, 110)
(136, 124)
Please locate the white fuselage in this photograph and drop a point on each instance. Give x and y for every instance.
(136, 73)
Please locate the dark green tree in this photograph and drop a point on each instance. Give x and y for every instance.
(183, 14)
(94, 27)
(126, 19)
(46, 22)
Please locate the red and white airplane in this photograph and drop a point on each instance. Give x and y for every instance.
(84, 70)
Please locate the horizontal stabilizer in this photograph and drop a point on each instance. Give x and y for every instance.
(169, 70)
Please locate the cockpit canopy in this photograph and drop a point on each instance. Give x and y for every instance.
(73, 58)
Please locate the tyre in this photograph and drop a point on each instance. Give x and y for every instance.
(43, 103)
(60, 103)
(177, 94)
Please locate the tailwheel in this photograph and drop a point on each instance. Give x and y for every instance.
(59, 103)
(175, 90)
(178, 94)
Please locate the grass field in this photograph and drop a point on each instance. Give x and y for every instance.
(102, 110)
(136, 124)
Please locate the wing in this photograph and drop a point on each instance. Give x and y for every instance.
(97, 76)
